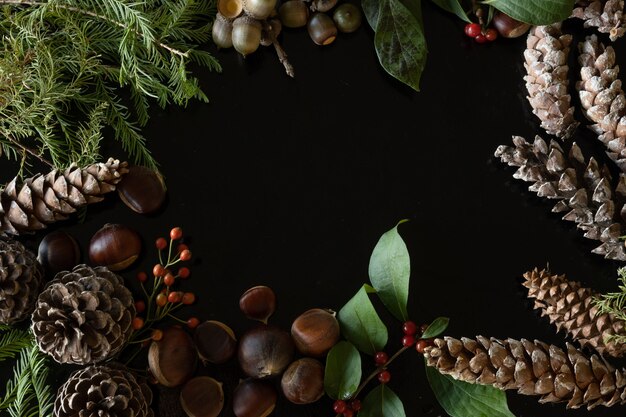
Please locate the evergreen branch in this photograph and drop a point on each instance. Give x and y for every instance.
(12, 342)
(614, 303)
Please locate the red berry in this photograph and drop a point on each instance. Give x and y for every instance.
(472, 30)
(157, 335)
(174, 297)
(384, 376)
(355, 405)
(491, 34)
(182, 247)
(169, 279)
(339, 406)
(158, 270)
(161, 243)
(422, 344)
(480, 38)
(348, 412)
(185, 255)
(189, 298)
(408, 340)
(138, 323)
(184, 272)
(161, 300)
(380, 358)
(176, 233)
(193, 322)
(140, 306)
(409, 328)
(142, 276)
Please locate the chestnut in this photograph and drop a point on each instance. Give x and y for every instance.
(254, 398)
(508, 27)
(115, 246)
(172, 360)
(265, 351)
(58, 251)
(315, 332)
(303, 381)
(215, 342)
(202, 396)
(142, 189)
(258, 303)
(322, 29)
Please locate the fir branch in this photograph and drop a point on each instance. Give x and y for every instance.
(13, 341)
(614, 303)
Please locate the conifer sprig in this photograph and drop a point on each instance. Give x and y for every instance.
(615, 303)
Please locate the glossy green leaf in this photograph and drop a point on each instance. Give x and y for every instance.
(370, 10)
(389, 271)
(382, 402)
(453, 6)
(461, 399)
(343, 371)
(535, 12)
(438, 326)
(361, 325)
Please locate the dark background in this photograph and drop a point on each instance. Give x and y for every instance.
(290, 183)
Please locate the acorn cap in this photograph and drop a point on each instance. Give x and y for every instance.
(229, 9)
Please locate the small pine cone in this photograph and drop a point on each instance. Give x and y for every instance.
(584, 189)
(602, 97)
(44, 199)
(21, 278)
(606, 15)
(546, 79)
(103, 391)
(83, 316)
(570, 307)
(532, 368)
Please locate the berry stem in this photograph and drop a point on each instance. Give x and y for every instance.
(376, 371)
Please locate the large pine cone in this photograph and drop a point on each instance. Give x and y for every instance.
(103, 391)
(41, 200)
(571, 307)
(20, 281)
(606, 15)
(84, 315)
(532, 368)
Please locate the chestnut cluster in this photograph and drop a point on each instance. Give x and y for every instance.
(248, 24)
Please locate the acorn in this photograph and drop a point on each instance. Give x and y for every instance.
(315, 332)
(259, 9)
(229, 9)
(222, 32)
(246, 35)
(294, 13)
(322, 29)
(347, 17)
(303, 381)
(115, 246)
(271, 30)
(322, 5)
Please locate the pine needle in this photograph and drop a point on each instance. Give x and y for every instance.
(614, 303)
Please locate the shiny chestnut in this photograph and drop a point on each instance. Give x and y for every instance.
(315, 332)
(303, 381)
(215, 341)
(265, 351)
(142, 189)
(173, 359)
(58, 251)
(254, 398)
(115, 246)
(202, 396)
(258, 303)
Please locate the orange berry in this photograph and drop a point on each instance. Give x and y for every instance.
(174, 297)
(193, 322)
(185, 255)
(138, 323)
(161, 300)
(189, 298)
(157, 335)
(169, 279)
(182, 247)
(184, 272)
(158, 270)
(176, 233)
(161, 243)
(142, 276)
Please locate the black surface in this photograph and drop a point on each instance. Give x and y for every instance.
(290, 183)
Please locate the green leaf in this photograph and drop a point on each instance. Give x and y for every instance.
(461, 399)
(438, 326)
(343, 371)
(399, 41)
(361, 325)
(382, 402)
(453, 6)
(389, 271)
(535, 12)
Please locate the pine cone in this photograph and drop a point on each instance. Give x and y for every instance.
(570, 307)
(21, 277)
(584, 190)
(602, 97)
(83, 316)
(606, 15)
(41, 200)
(532, 368)
(103, 391)
(546, 80)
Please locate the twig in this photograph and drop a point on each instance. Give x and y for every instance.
(282, 55)
(28, 150)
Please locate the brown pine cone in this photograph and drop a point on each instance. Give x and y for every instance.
(103, 391)
(531, 368)
(41, 200)
(21, 278)
(83, 316)
(606, 15)
(584, 190)
(546, 79)
(571, 308)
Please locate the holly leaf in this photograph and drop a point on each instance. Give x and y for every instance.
(461, 399)
(438, 326)
(535, 12)
(453, 6)
(343, 371)
(382, 402)
(389, 272)
(361, 325)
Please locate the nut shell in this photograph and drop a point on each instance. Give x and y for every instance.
(215, 341)
(246, 35)
(315, 332)
(202, 396)
(172, 360)
(322, 29)
(222, 32)
(293, 13)
(254, 398)
(303, 381)
(258, 303)
(142, 189)
(58, 251)
(229, 9)
(265, 351)
(115, 246)
(259, 9)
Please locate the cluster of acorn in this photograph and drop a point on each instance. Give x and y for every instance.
(247, 24)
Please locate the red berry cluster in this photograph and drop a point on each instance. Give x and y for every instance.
(346, 408)
(480, 34)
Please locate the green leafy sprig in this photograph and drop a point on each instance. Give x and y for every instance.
(614, 303)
